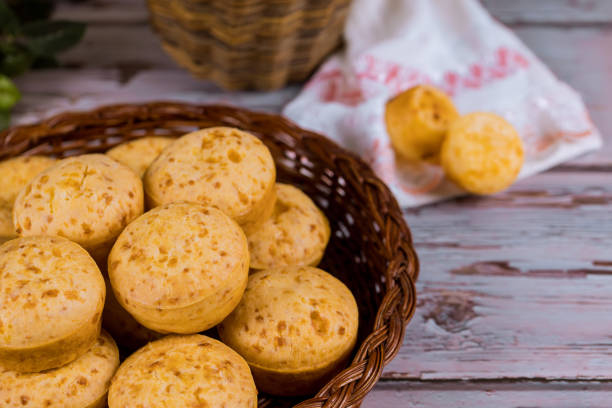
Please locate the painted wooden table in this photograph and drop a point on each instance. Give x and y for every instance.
(515, 294)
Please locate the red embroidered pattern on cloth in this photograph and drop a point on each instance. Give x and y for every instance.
(351, 90)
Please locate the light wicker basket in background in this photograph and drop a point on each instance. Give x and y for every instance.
(249, 44)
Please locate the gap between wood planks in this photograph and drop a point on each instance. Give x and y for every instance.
(399, 380)
(458, 394)
(551, 12)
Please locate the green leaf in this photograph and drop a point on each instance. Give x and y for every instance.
(5, 119)
(8, 19)
(15, 64)
(50, 37)
(9, 94)
(15, 59)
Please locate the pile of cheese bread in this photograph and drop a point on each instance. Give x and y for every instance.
(156, 241)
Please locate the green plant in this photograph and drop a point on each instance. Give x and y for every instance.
(28, 40)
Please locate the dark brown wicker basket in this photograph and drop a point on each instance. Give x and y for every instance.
(243, 44)
(370, 249)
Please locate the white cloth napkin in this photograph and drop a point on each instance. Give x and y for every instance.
(457, 46)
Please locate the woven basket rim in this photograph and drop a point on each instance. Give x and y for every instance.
(349, 387)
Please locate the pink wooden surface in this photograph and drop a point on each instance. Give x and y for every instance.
(514, 286)
(515, 294)
(523, 394)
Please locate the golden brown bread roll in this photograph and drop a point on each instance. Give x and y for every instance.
(50, 303)
(82, 383)
(295, 326)
(181, 372)
(417, 121)
(296, 233)
(17, 172)
(88, 199)
(139, 154)
(482, 153)
(222, 167)
(180, 268)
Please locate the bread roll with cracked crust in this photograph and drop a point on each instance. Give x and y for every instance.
(88, 199)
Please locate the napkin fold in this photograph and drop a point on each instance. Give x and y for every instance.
(458, 47)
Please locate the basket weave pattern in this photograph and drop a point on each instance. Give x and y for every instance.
(249, 44)
(370, 249)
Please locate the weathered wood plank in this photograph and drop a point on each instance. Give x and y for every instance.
(510, 12)
(518, 285)
(103, 11)
(551, 11)
(49, 92)
(131, 47)
(496, 394)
